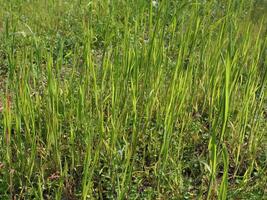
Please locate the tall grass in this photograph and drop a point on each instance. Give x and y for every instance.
(132, 100)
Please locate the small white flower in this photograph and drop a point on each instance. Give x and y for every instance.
(120, 152)
(155, 4)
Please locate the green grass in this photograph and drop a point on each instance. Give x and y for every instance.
(133, 99)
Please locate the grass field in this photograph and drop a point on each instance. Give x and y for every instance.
(133, 99)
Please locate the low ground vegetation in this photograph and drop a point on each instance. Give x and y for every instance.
(133, 99)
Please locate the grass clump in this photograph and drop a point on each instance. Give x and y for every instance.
(133, 99)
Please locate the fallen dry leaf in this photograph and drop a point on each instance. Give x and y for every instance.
(1, 107)
(1, 165)
(8, 99)
(54, 176)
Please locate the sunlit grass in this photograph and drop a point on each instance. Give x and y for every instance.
(132, 100)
